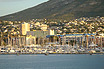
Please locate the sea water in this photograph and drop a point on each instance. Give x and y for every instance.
(52, 61)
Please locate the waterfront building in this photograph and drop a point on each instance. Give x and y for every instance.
(75, 39)
(38, 33)
(41, 33)
(100, 40)
(30, 40)
(37, 36)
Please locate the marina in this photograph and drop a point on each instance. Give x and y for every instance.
(51, 50)
(55, 44)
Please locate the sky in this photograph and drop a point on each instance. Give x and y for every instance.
(12, 6)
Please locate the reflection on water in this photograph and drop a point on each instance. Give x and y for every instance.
(53, 61)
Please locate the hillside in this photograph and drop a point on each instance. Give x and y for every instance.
(60, 9)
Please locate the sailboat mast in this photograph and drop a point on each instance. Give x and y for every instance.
(101, 42)
(87, 41)
(11, 40)
(1, 38)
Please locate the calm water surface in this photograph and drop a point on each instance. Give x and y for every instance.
(52, 61)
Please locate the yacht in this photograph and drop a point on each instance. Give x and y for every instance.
(92, 45)
(81, 50)
(3, 50)
(11, 51)
(97, 49)
(73, 50)
(92, 51)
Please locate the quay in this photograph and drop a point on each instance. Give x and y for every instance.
(100, 53)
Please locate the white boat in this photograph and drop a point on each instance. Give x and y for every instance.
(92, 45)
(81, 50)
(73, 50)
(92, 51)
(43, 51)
(12, 51)
(97, 49)
(3, 51)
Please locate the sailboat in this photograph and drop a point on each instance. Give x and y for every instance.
(92, 48)
(92, 45)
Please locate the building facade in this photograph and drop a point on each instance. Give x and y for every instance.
(24, 27)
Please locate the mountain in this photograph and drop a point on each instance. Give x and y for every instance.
(60, 9)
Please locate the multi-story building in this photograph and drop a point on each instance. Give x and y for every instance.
(24, 27)
(52, 32)
(41, 33)
(30, 40)
(38, 33)
(44, 27)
